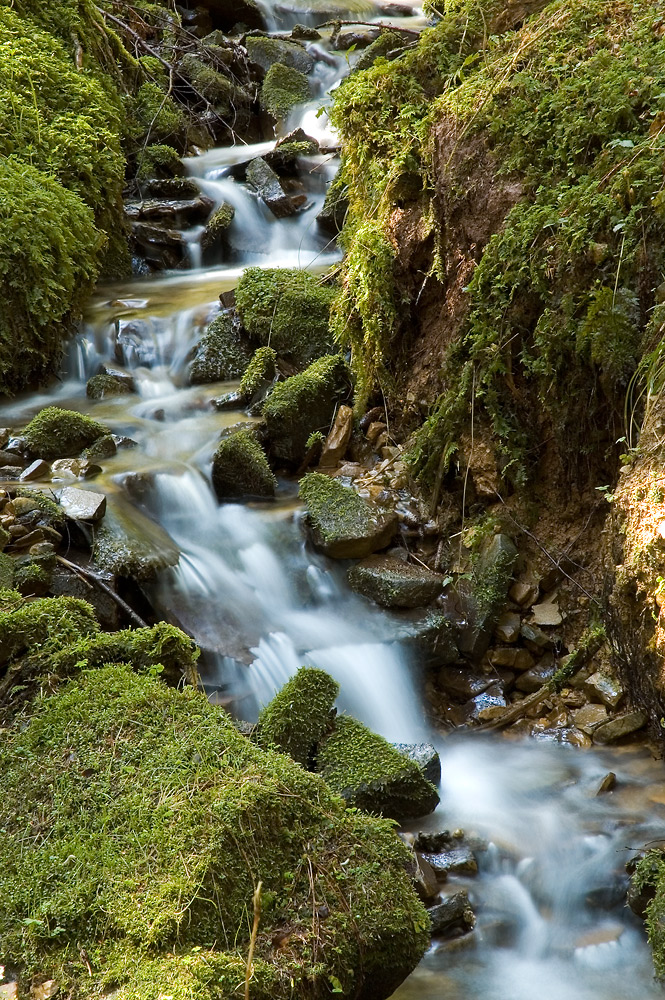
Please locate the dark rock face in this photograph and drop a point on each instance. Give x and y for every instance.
(269, 189)
(395, 584)
(425, 756)
(452, 915)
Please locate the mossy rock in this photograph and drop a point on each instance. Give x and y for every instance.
(267, 52)
(240, 468)
(159, 161)
(260, 372)
(336, 205)
(154, 116)
(370, 774)
(217, 225)
(130, 545)
(216, 87)
(379, 49)
(282, 89)
(395, 584)
(103, 447)
(101, 386)
(221, 355)
(42, 626)
(288, 310)
(341, 523)
(304, 403)
(56, 433)
(300, 714)
(199, 816)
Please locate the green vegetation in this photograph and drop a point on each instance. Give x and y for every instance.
(152, 821)
(300, 714)
(100, 386)
(282, 89)
(286, 309)
(304, 403)
(261, 369)
(342, 523)
(371, 774)
(649, 876)
(221, 355)
(56, 433)
(240, 468)
(568, 104)
(217, 88)
(217, 225)
(159, 161)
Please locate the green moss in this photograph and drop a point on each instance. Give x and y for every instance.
(333, 507)
(159, 161)
(240, 468)
(173, 818)
(42, 626)
(32, 579)
(388, 41)
(126, 550)
(103, 447)
(154, 116)
(300, 714)
(217, 225)
(282, 89)
(261, 369)
(304, 403)
(51, 512)
(218, 89)
(221, 355)
(650, 876)
(6, 572)
(56, 433)
(286, 309)
(371, 774)
(100, 386)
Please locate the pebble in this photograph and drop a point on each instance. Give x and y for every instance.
(607, 784)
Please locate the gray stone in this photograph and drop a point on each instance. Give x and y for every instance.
(74, 468)
(425, 880)
(589, 716)
(431, 633)
(622, 725)
(39, 469)
(395, 584)
(603, 687)
(9, 472)
(463, 681)
(9, 458)
(82, 505)
(452, 914)
(265, 52)
(461, 861)
(507, 629)
(535, 639)
(425, 756)
(269, 188)
(487, 705)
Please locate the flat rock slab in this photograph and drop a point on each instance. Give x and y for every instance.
(622, 725)
(602, 687)
(461, 861)
(395, 584)
(82, 505)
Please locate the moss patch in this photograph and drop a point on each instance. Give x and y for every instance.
(342, 523)
(221, 355)
(159, 161)
(173, 818)
(217, 225)
(286, 309)
(100, 386)
(300, 714)
(282, 89)
(261, 369)
(56, 433)
(371, 774)
(240, 468)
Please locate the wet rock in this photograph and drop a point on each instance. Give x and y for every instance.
(56, 433)
(130, 545)
(265, 52)
(162, 248)
(39, 469)
(284, 157)
(453, 914)
(460, 861)
(395, 584)
(425, 880)
(303, 404)
(171, 213)
(82, 505)
(103, 447)
(269, 188)
(487, 705)
(431, 633)
(341, 523)
(9, 472)
(338, 439)
(507, 629)
(17, 444)
(305, 33)
(240, 468)
(371, 775)
(534, 638)
(65, 583)
(212, 236)
(486, 598)
(228, 14)
(463, 682)
(607, 784)
(74, 468)
(8, 458)
(533, 679)
(618, 727)
(101, 386)
(355, 39)
(425, 756)
(216, 87)
(434, 843)
(602, 687)
(178, 188)
(590, 716)
(221, 354)
(283, 89)
(229, 401)
(134, 343)
(524, 592)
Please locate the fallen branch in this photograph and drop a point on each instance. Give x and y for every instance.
(92, 579)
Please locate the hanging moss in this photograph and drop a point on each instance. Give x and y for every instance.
(300, 714)
(56, 433)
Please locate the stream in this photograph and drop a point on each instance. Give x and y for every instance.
(550, 894)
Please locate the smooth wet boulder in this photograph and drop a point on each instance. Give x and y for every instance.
(215, 87)
(266, 51)
(269, 188)
(452, 915)
(288, 309)
(282, 89)
(83, 505)
(57, 433)
(300, 714)
(221, 354)
(425, 756)
(203, 821)
(370, 774)
(393, 583)
(485, 595)
(341, 523)
(240, 468)
(128, 544)
(303, 404)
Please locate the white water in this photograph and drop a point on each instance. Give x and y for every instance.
(261, 603)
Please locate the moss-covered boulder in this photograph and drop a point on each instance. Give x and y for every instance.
(216, 227)
(300, 714)
(177, 823)
(302, 404)
(341, 523)
(370, 774)
(240, 468)
(394, 583)
(282, 89)
(260, 372)
(221, 354)
(266, 51)
(56, 433)
(216, 87)
(128, 544)
(287, 309)
(159, 161)
(101, 386)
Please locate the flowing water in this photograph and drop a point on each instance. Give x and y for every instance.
(551, 920)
